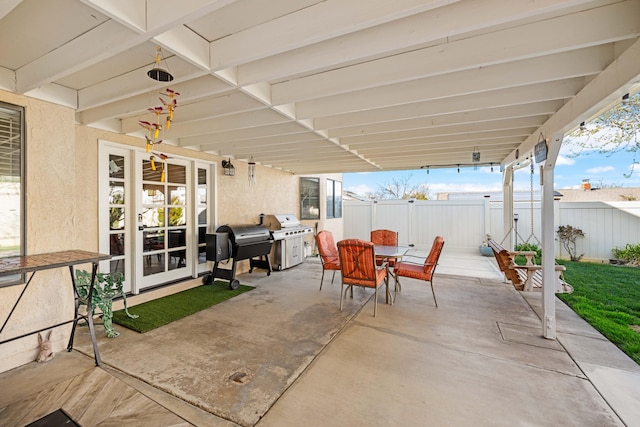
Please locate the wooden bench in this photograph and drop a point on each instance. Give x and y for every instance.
(529, 276)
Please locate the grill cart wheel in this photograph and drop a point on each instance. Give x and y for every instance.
(234, 284)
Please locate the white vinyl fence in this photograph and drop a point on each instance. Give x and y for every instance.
(465, 223)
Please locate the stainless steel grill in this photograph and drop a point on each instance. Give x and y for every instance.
(288, 240)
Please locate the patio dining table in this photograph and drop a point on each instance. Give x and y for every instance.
(387, 253)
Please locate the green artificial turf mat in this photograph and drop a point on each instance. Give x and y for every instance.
(162, 311)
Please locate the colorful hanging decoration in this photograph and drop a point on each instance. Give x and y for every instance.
(162, 157)
(170, 105)
(168, 98)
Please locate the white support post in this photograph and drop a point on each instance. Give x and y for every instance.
(507, 206)
(548, 241)
(548, 258)
(487, 217)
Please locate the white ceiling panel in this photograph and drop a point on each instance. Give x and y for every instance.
(311, 86)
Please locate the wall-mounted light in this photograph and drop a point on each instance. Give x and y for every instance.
(583, 126)
(227, 168)
(625, 98)
(252, 172)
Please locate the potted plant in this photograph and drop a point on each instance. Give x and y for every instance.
(485, 250)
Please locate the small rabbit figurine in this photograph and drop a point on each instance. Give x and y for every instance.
(46, 353)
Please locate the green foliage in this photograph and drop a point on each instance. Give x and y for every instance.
(608, 297)
(613, 131)
(630, 254)
(175, 214)
(530, 247)
(568, 236)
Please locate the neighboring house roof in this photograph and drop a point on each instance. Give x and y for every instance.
(617, 194)
(350, 195)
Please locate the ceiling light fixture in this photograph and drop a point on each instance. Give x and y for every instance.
(157, 73)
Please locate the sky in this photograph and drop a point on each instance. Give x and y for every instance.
(602, 170)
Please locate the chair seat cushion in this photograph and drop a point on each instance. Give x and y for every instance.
(331, 266)
(415, 271)
(381, 273)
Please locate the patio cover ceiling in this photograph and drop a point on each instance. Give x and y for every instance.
(312, 86)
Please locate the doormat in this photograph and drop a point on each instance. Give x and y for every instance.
(54, 419)
(162, 311)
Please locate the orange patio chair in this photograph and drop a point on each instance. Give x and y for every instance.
(423, 271)
(385, 238)
(328, 253)
(358, 266)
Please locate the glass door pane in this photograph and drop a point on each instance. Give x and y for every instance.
(202, 202)
(162, 220)
(117, 214)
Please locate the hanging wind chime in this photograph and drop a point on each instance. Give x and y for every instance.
(167, 109)
(252, 172)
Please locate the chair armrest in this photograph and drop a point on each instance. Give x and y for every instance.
(408, 261)
(529, 255)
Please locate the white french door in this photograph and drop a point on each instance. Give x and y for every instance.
(153, 222)
(115, 215)
(163, 236)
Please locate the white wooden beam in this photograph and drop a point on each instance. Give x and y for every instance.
(133, 83)
(130, 13)
(201, 87)
(90, 48)
(583, 62)
(187, 45)
(486, 114)
(500, 98)
(55, 93)
(505, 125)
(313, 24)
(7, 79)
(7, 6)
(528, 41)
(421, 30)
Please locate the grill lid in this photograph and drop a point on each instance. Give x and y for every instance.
(245, 234)
(281, 221)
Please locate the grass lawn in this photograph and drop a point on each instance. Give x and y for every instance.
(608, 297)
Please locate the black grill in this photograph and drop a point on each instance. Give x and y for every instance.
(239, 242)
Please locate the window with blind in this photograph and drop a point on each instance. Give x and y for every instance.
(11, 185)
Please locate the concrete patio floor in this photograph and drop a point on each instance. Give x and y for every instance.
(478, 359)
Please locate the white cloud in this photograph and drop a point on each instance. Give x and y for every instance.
(600, 169)
(564, 161)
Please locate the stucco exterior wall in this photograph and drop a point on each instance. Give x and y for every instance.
(62, 213)
(51, 223)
